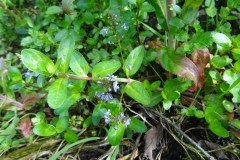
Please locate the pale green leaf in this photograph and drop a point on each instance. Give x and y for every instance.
(57, 93)
(37, 62)
(79, 64)
(134, 61)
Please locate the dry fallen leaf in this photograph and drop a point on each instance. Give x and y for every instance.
(152, 139)
(213, 146)
(25, 126)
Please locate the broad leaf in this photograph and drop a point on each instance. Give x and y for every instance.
(219, 62)
(70, 136)
(104, 68)
(137, 125)
(222, 41)
(37, 62)
(137, 91)
(25, 126)
(65, 51)
(54, 10)
(115, 134)
(180, 65)
(62, 124)
(228, 105)
(44, 129)
(69, 101)
(57, 93)
(218, 129)
(134, 61)
(79, 64)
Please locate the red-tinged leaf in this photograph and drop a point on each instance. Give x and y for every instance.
(179, 65)
(200, 58)
(25, 126)
(30, 99)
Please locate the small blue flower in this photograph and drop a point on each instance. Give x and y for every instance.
(107, 114)
(107, 120)
(121, 116)
(105, 30)
(110, 77)
(115, 86)
(126, 122)
(124, 26)
(110, 96)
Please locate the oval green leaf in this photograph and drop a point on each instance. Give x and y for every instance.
(115, 134)
(70, 136)
(79, 64)
(65, 51)
(57, 93)
(218, 129)
(228, 105)
(104, 68)
(134, 61)
(44, 129)
(137, 125)
(137, 91)
(37, 62)
(62, 124)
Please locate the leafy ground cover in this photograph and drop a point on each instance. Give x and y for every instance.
(120, 79)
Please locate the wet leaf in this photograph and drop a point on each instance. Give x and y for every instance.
(222, 41)
(180, 65)
(25, 126)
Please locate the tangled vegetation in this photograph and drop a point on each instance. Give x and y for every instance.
(120, 79)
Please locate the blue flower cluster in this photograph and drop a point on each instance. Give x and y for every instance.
(121, 118)
(108, 96)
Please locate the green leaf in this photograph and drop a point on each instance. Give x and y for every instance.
(167, 104)
(228, 105)
(79, 64)
(134, 61)
(173, 87)
(65, 51)
(68, 102)
(62, 124)
(88, 17)
(44, 129)
(70, 136)
(57, 93)
(155, 99)
(233, 79)
(137, 91)
(235, 123)
(115, 134)
(37, 62)
(104, 68)
(87, 122)
(199, 114)
(54, 10)
(68, 6)
(218, 129)
(220, 62)
(137, 125)
(222, 41)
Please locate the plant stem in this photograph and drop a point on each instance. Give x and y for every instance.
(70, 76)
(169, 15)
(13, 102)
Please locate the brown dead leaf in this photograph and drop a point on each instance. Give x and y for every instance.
(152, 139)
(30, 99)
(213, 146)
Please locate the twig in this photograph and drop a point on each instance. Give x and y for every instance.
(184, 135)
(70, 76)
(13, 102)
